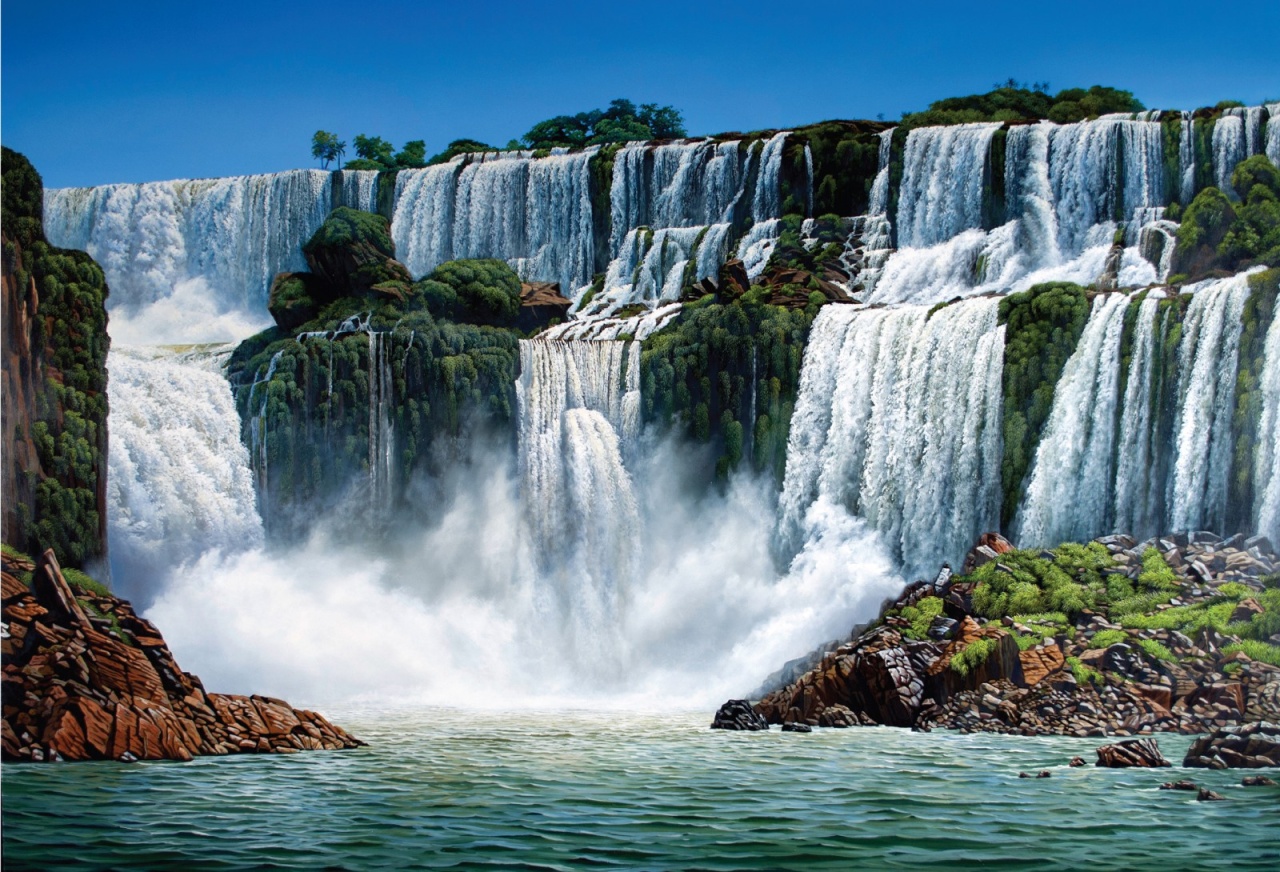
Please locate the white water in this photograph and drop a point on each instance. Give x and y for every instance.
(1267, 454)
(652, 267)
(218, 242)
(942, 183)
(533, 213)
(1069, 485)
(1207, 364)
(1272, 139)
(178, 478)
(1139, 491)
(360, 189)
(898, 420)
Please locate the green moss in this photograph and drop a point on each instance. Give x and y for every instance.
(1255, 650)
(485, 291)
(973, 655)
(1156, 575)
(1042, 327)
(83, 583)
(1023, 582)
(920, 615)
(1107, 638)
(1155, 650)
(1084, 674)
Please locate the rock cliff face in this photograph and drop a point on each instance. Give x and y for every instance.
(87, 679)
(54, 383)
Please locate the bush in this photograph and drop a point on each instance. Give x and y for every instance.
(485, 291)
(1107, 638)
(1155, 650)
(1233, 591)
(1255, 650)
(972, 656)
(921, 616)
(1156, 574)
(1083, 674)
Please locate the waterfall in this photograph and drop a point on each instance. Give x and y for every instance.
(767, 200)
(1139, 493)
(382, 453)
(1068, 492)
(230, 235)
(879, 204)
(536, 214)
(898, 419)
(653, 266)
(359, 189)
(1207, 363)
(579, 405)
(757, 245)
(942, 182)
(178, 481)
(1229, 148)
(1272, 146)
(1267, 454)
(1187, 159)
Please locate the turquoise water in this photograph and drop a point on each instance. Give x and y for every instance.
(460, 789)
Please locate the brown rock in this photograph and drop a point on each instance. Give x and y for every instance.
(1132, 753)
(1037, 663)
(540, 303)
(1246, 609)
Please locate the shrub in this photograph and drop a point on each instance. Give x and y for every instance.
(1107, 638)
(921, 616)
(487, 291)
(1233, 591)
(84, 583)
(972, 656)
(1255, 650)
(1083, 674)
(1155, 650)
(1156, 574)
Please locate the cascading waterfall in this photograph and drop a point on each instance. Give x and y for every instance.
(1069, 486)
(879, 203)
(757, 245)
(536, 214)
(1272, 144)
(898, 419)
(1187, 159)
(579, 408)
(178, 481)
(1230, 146)
(359, 189)
(1266, 511)
(655, 265)
(1139, 491)
(942, 182)
(382, 457)
(1207, 363)
(229, 235)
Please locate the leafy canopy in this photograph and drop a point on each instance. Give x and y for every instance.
(621, 122)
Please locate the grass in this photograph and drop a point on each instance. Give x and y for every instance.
(1255, 650)
(1107, 638)
(1155, 650)
(1083, 674)
(972, 656)
(14, 554)
(84, 583)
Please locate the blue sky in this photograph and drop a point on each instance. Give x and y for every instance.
(122, 92)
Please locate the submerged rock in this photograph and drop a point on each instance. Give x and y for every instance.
(795, 727)
(1179, 785)
(85, 678)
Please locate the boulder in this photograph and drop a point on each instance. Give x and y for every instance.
(1207, 795)
(1037, 663)
(733, 279)
(540, 304)
(1179, 785)
(352, 251)
(1132, 753)
(1256, 781)
(1248, 746)
(988, 547)
(737, 714)
(796, 727)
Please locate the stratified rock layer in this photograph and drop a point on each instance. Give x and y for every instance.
(1250, 746)
(87, 679)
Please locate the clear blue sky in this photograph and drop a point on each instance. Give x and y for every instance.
(97, 92)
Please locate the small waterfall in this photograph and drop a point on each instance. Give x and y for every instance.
(1267, 454)
(1272, 144)
(942, 182)
(360, 189)
(654, 265)
(179, 481)
(382, 456)
(1187, 159)
(535, 214)
(1229, 148)
(898, 419)
(1069, 489)
(231, 234)
(879, 204)
(1207, 363)
(579, 408)
(767, 200)
(1139, 492)
(757, 246)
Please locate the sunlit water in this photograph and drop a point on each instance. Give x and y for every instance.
(444, 788)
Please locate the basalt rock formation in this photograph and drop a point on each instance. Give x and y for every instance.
(85, 678)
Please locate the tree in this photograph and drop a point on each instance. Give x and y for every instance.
(374, 149)
(414, 154)
(664, 122)
(621, 122)
(461, 146)
(327, 148)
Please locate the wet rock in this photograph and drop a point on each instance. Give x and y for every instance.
(1132, 753)
(1249, 746)
(795, 727)
(988, 548)
(1179, 785)
(1076, 761)
(737, 714)
(1207, 795)
(1256, 781)
(540, 304)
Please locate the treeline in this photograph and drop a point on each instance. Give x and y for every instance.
(1016, 101)
(622, 121)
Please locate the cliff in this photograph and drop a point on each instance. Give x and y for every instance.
(54, 381)
(85, 678)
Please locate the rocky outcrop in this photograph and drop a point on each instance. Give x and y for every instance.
(352, 252)
(737, 714)
(1249, 746)
(85, 678)
(541, 304)
(1142, 753)
(1089, 676)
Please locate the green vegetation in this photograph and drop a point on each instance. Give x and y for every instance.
(1023, 582)
(1015, 101)
(457, 147)
(83, 583)
(327, 148)
(621, 122)
(1084, 674)
(846, 156)
(474, 291)
(1259, 312)
(1255, 650)
(1156, 575)
(727, 374)
(65, 411)
(1042, 327)
(920, 615)
(1219, 234)
(973, 655)
(1107, 638)
(1155, 650)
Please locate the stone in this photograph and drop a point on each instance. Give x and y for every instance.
(1207, 795)
(1132, 753)
(737, 714)
(1246, 609)
(1256, 781)
(1179, 785)
(540, 304)
(1248, 746)
(1076, 761)
(796, 727)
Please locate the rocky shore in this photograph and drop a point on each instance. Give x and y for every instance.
(85, 678)
(1169, 635)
